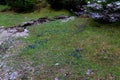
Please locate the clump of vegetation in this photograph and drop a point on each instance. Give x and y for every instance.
(21, 5)
(68, 4)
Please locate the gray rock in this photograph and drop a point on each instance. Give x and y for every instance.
(95, 6)
(108, 13)
(13, 76)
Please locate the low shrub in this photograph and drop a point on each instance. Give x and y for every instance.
(21, 5)
(67, 4)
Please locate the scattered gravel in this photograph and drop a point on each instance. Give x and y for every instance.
(9, 48)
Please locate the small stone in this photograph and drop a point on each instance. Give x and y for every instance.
(88, 72)
(25, 30)
(1, 64)
(57, 64)
(56, 78)
(13, 76)
(12, 30)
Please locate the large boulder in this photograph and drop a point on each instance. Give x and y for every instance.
(109, 12)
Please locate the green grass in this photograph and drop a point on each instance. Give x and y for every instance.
(99, 49)
(96, 47)
(10, 18)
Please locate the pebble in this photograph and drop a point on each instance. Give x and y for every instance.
(25, 30)
(56, 78)
(1, 64)
(13, 76)
(88, 72)
(57, 64)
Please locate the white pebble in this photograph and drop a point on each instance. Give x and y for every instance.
(25, 30)
(57, 64)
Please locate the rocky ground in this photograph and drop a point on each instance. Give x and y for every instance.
(9, 48)
(12, 67)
